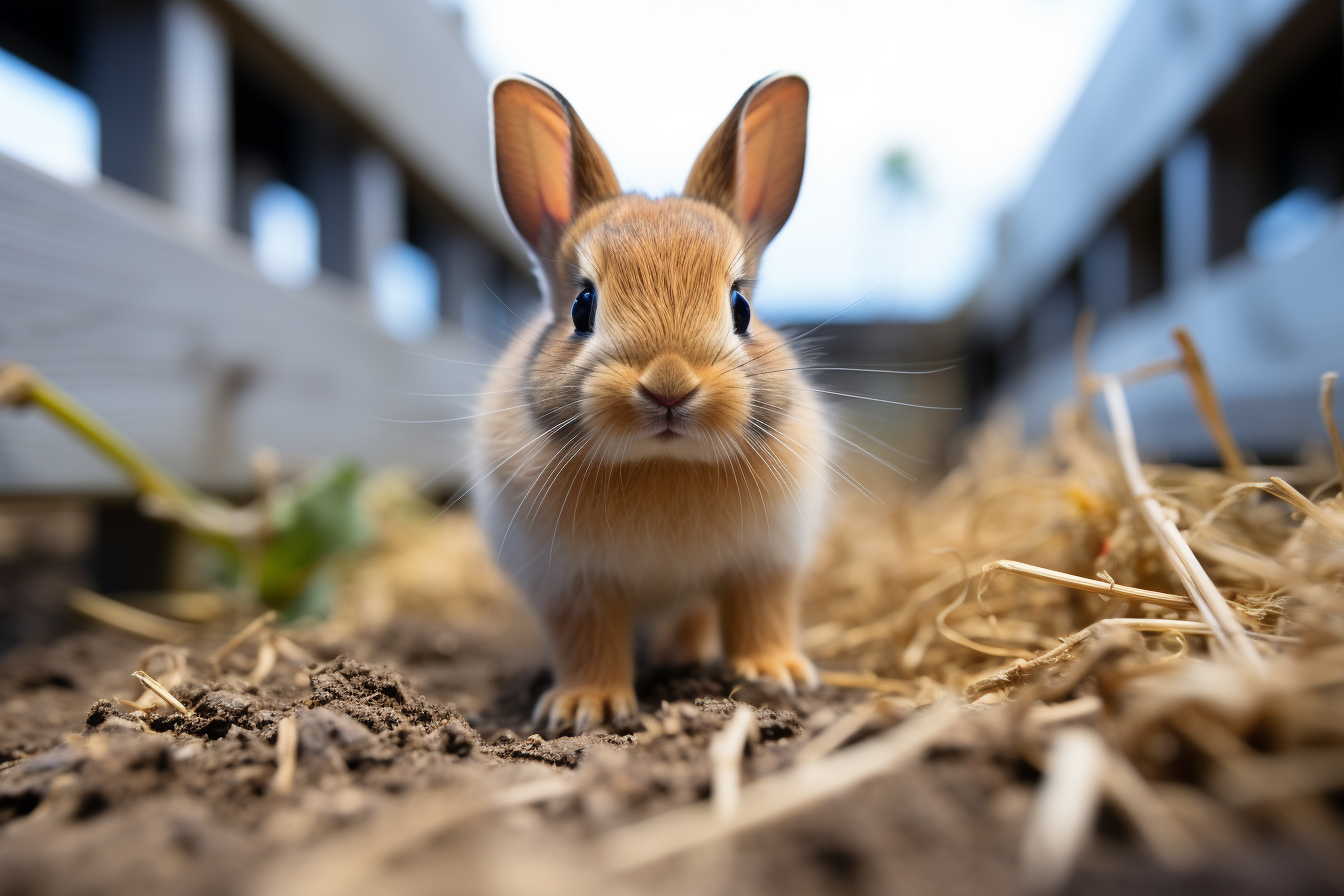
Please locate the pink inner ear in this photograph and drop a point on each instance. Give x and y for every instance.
(758, 133)
(533, 157)
(771, 147)
(552, 162)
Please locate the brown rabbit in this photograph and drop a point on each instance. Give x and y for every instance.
(648, 446)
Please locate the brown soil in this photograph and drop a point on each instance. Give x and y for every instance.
(395, 769)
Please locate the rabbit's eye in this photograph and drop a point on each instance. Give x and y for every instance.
(585, 304)
(741, 313)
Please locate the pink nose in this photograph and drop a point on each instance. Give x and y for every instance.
(668, 380)
(667, 401)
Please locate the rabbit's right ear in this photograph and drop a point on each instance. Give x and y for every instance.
(548, 167)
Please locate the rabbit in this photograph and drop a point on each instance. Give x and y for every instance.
(647, 445)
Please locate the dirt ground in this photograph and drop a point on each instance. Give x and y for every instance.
(409, 733)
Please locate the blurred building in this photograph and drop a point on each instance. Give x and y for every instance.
(286, 193)
(1196, 183)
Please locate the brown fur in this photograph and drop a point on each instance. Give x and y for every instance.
(604, 504)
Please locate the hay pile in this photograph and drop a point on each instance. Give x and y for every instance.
(1169, 637)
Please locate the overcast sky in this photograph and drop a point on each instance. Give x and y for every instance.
(973, 89)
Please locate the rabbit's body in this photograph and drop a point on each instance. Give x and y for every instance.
(648, 448)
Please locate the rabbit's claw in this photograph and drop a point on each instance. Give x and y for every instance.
(789, 669)
(581, 708)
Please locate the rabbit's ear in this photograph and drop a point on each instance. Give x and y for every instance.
(752, 166)
(548, 167)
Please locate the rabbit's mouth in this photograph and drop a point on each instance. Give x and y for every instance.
(671, 427)
(671, 416)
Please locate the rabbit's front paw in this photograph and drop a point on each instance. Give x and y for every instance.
(582, 707)
(789, 668)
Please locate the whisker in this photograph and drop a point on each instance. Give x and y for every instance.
(776, 466)
(835, 417)
(499, 300)
(893, 449)
(793, 339)
(858, 370)
(523, 500)
(830, 463)
(784, 439)
(904, 404)
(895, 469)
(452, 419)
(563, 456)
(457, 497)
(444, 472)
(416, 354)
(449, 394)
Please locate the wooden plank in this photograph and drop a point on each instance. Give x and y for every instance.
(175, 339)
(1165, 64)
(403, 67)
(1267, 331)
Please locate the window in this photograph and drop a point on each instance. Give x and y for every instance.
(284, 235)
(405, 285)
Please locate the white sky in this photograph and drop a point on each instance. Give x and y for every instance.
(975, 89)
(47, 124)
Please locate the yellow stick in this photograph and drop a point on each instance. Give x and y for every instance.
(21, 385)
(1285, 492)
(164, 495)
(286, 756)
(868, 681)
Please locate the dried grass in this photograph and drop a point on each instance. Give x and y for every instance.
(161, 692)
(776, 796)
(241, 637)
(126, 618)
(286, 756)
(1200, 614)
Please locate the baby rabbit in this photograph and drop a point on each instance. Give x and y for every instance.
(648, 445)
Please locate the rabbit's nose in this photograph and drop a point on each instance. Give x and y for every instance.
(668, 380)
(667, 401)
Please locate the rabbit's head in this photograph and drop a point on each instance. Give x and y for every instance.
(649, 347)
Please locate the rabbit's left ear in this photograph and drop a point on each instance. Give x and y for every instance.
(752, 166)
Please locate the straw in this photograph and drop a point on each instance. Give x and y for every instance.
(725, 756)
(1211, 603)
(1061, 819)
(241, 637)
(779, 795)
(1328, 417)
(162, 692)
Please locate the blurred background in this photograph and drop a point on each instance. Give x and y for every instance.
(233, 223)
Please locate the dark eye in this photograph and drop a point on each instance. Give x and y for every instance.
(741, 313)
(585, 304)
